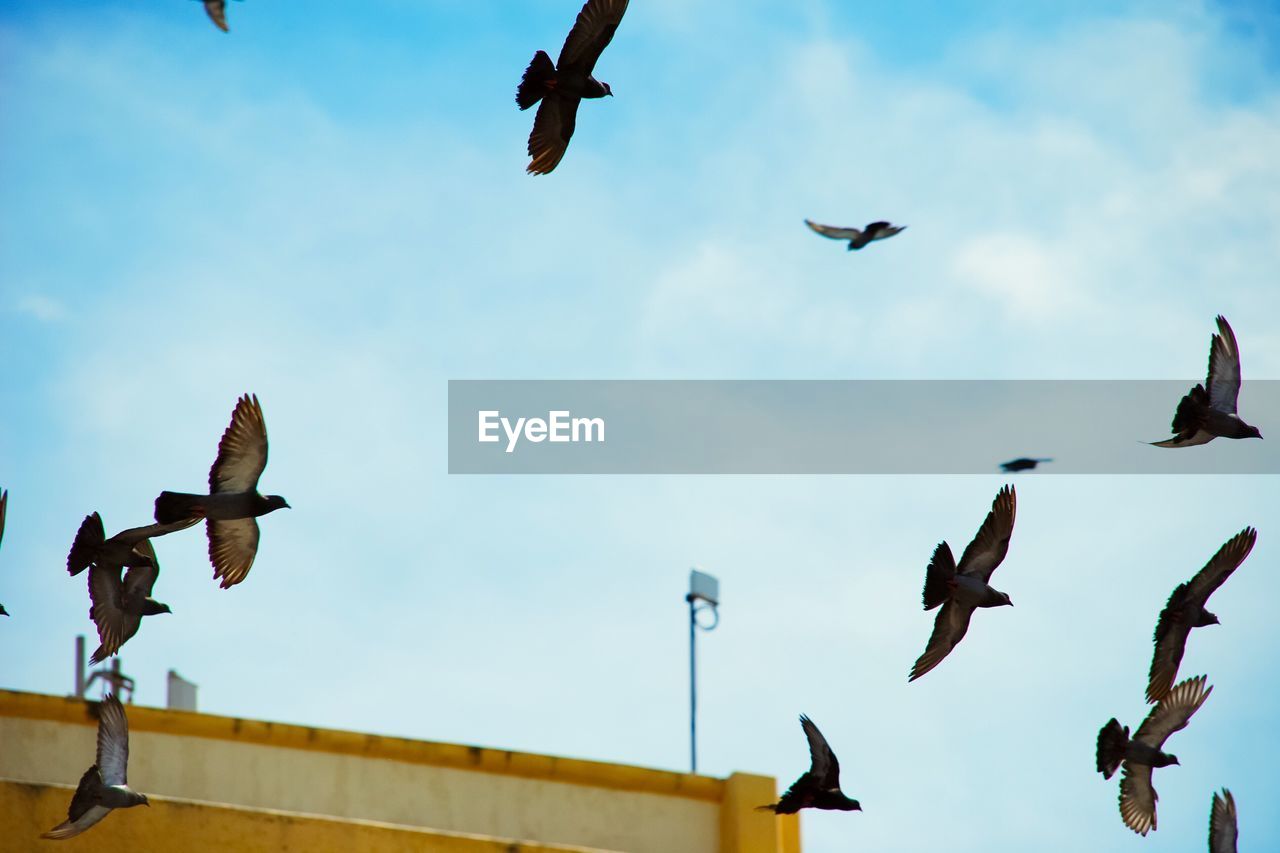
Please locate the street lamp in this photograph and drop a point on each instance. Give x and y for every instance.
(704, 595)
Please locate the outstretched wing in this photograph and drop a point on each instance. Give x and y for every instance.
(217, 10)
(1173, 712)
(1224, 369)
(242, 453)
(823, 767)
(552, 129)
(232, 547)
(989, 547)
(4, 504)
(1222, 824)
(1221, 565)
(1138, 798)
(138, 535)
(833, 232)
(1172, 630)
(949, 628)
(591, 34)
(113, 741)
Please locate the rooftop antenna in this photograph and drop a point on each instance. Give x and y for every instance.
(704, 595)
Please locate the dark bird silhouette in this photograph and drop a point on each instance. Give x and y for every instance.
(1204, 415)
(103, 786)
(819, 787)
(1222, 824)
(217, 10)
(91, 547)
(1144, 751)
(4, 504)
(857, 238)
(1022, 463)
(562, 86)
(1186, 610)
(118, 606)
(233, 501)
(962, 589)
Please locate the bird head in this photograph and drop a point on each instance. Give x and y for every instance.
(1007, 599)
(1173, 759)
(1254, 432)
(275, 502)
(607, 90)
(853, 806)
(1211, 618)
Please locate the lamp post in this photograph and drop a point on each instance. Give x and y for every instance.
(704, 595)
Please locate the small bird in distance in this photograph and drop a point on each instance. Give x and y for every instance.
(819, 786)
(857, 237)
(1022, 463)
(1208, 411)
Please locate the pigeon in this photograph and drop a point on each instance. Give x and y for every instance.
(4, 503)
(560, 87)
(857, 239)
(91, 547)
(1022, 463)
(1222, 824)
(217, 10)
(103, 786)
(1204, 415)
(962, 589)
(1143, 752)
(1186, 610)
(819, 788)
(118, 606)
(233, 502)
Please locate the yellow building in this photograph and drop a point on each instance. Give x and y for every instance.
(244, 786)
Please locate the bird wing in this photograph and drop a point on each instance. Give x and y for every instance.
(1222, 564)
(591, 34)
(1224, 369)
(823, 764)
(232, 546)
(1171, 635)
(84, 811)
(989, 547)
(833, 232)
(883, 230)
(949, 628)
(116, 623)
(552, 129)
(4, 503)
(217, 10)
(1173, 712)
(137, 535)
(1138, 798)
(113, 741)
(242, 453)
(1222, 824)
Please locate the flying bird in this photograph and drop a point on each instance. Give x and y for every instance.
(217, 10)
(1222, 824)
(103, 786)
(91, 547)
(1144, 751)
(1022, 463)
(964, 588)
(233, 501)
(561, 86)
(819, 787)
(4, 503)
(857, 238)
(1203, 415)
(1186, 610)
(118, 606)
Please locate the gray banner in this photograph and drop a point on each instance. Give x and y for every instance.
(839, 427)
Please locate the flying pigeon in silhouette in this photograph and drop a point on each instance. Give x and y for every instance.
(1186, 610)
(217, 10)
(1144, 751)
(964, 588)
(118, 606)
(91, 547)
(233, 501)
(1222, 824)
(560, 87)
(857, 238)
(1204, 415)
(819, 787)
(4, 503)
(1022, 463)
(103, 786)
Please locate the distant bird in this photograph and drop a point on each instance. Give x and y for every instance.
(819, 787)
(961, 590)
(1222, 824)
(1022, 463)
(857, 238)
(1186, 610)
(233, 502)
(91, 547)
(118, 606)
(103, 786)
(4, 503)
(1143, 752)
(563, 85)
(1204, 415)
(217, 10)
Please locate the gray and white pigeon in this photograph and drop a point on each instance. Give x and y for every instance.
(1222, 824)
(964, 588)
(857, 237)
(1022, 463)
(233, 501)
(4, 505)
(819, 786)
(562, 86)
(1186, 610)
(1144, 751)
(91, 547)
(103, 786)
(1203, 415)
(118, 606)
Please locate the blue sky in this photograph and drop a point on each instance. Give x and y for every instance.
(328, 208)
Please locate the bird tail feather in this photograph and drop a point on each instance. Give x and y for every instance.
(176, 506)
(1112, 740)
(88, 538)
(937, 578)
(533, 85)
(772, 807)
